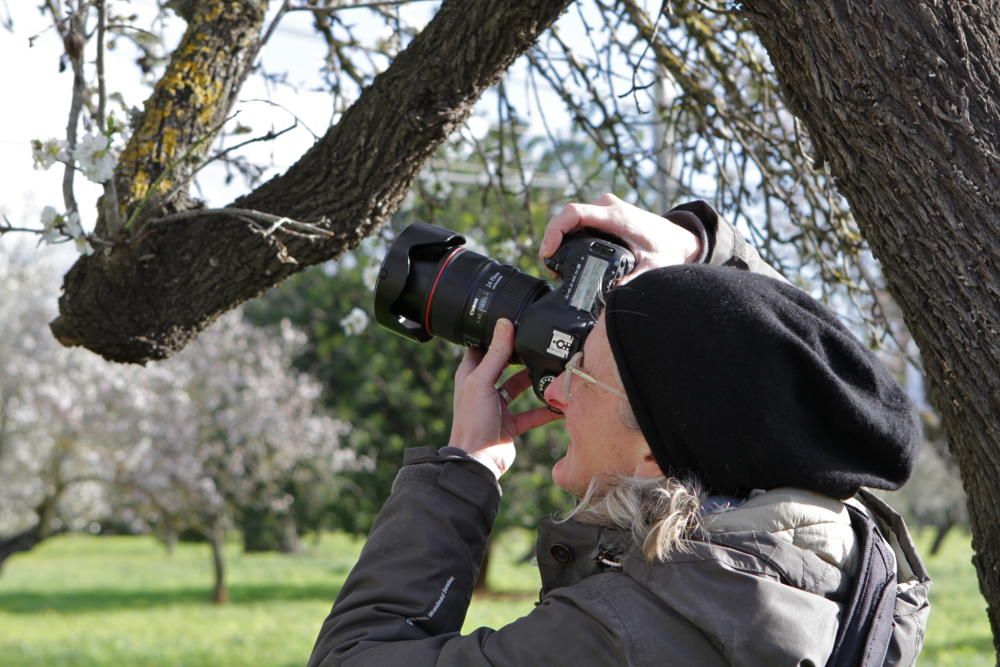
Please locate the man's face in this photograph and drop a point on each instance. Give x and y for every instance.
(598, 441)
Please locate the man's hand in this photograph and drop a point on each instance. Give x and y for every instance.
(655, 241)
(483, 424)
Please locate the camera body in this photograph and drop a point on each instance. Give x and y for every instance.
(429, 285)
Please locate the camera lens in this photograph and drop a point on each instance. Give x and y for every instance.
(431, 285)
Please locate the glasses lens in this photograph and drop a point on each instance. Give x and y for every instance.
(572, 365)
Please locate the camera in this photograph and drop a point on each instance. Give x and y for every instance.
(430, 285)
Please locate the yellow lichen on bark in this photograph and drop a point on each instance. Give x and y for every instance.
(192, 98)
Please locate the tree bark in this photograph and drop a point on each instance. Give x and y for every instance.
(26, 540)
(163, 282)
(902, 99)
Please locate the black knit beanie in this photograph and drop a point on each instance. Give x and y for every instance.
(750, 383)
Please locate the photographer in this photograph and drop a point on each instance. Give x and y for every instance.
(721, 425)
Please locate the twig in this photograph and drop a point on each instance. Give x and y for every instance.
(102, 97)
(8, 21)
(9, 227)
(276, 223)
(257, 219)
(74, 41)
(359, 5)
(286, 110)
(126, 26)
(271, 28)
(112, 215)
(271, 135)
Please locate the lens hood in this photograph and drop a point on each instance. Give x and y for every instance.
(397, 274)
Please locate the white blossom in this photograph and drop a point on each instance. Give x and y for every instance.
(96, 157)
(354, 322)
(51, 221)
(83, 246)
(71, 226)
(48, 152)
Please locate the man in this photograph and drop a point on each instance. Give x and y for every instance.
(718, 419)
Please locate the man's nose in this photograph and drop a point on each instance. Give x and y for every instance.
(553, 393)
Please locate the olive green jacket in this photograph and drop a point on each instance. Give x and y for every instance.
(763, 585)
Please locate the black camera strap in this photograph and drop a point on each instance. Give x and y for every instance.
(866, 626)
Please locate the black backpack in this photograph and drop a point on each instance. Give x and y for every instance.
(866, 628)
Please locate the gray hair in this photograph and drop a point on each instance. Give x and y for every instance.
(660, 512)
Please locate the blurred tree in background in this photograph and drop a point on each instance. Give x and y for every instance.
(222, 432)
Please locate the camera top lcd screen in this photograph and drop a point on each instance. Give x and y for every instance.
(589, 284)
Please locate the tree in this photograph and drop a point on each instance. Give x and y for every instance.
(227, 428)
(338, 192)
(54, 470)
(224, 428)
(900, 100)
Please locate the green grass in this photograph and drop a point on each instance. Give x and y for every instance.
(80, 600)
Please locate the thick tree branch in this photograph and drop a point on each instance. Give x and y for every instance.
(147, 300)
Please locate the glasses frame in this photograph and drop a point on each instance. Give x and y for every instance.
(573, 368)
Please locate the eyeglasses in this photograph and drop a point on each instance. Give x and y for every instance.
(573, 368)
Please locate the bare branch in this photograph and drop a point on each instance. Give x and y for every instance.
(357, 5)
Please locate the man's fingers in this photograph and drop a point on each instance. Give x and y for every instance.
(525, 421)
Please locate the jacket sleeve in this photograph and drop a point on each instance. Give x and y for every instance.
(725, 245)
(406, 599)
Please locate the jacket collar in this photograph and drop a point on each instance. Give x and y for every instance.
(568, 551)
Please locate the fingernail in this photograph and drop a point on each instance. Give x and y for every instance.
(503, 326)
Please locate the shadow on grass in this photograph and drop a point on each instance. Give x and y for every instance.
(102, 599)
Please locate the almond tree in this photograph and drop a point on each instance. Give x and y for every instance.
(189, 443)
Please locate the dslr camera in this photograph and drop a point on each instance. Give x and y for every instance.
(430, 285)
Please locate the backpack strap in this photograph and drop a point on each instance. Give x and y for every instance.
(866, 626)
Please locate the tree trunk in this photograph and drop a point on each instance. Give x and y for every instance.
(288, 535)
(164, 281)
(170, 541)
(23, 541)
(219, 593)
(940, 532)
(901, 100)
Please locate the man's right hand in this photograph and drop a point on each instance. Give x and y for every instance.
(654, 240)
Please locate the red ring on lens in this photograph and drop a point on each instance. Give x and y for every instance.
(430, 299)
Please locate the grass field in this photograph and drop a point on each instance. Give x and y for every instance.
(81, 600)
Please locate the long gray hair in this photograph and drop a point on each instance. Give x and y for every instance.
(660, 512)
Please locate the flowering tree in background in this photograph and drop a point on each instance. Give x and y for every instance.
(54, 463)
(224, 428)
